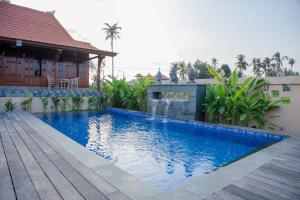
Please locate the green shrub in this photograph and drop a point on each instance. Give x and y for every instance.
(27, 103)
(45, 103)
(55, 103)
(76, 102)
(9, 106)
(65, 103)
(238, 104)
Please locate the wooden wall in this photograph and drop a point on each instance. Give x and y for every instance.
(17, 67)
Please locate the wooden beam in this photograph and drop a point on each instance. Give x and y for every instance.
(100, 59)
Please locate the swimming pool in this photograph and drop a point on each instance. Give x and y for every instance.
(162, 152)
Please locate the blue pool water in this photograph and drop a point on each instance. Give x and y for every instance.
(163, 153)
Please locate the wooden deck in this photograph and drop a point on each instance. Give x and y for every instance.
(276, 180)
(33, 168)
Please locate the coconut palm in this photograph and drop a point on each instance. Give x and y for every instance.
(268, 66)
(182, 69)
(278, 61)
(241, 64)
(214, 63)
(292, 61)
(112, 33)
(256, 67)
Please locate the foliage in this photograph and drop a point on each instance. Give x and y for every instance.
(118, 92)
(55, 103)
(76, 102)
(27, 103)
(226, 70)
(238, 104)
(65, 103)
(97, 102)
(241, 64)
(45, 103)
(138, 99)
(214, 63)
(9, 106)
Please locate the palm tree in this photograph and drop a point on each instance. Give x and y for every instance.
(241, 64)
(112, 33)
(214, 63)
(182, 69)
(258, 67)
(278, 60)
(292, 61)
(267, 66)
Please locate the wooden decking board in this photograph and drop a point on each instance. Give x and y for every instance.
(265, 190)
(22, 183)
(41, 182)
(110, 191)
(243, 193)
(54, 176)
(79, 182)
(6, 186)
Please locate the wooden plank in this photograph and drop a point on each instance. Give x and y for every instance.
(62, 185)
(288, 165)
(278, 176)
(23, 185)
(100, 183)
(6, 187)
(78, 181)
(277, 184)
(228, 196)
(265, 190)
(243, 193)
(42, 184)
(280, 170)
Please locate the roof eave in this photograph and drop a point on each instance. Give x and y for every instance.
(57, 46)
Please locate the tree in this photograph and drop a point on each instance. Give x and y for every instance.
(268, 67)
(241, 64)
(258, 67)
(214, 63)
(278, 61)
(181, 68)
(292, 61)
(201, 69)
(226, 70)
(112, 33)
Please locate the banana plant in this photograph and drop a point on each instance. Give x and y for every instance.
(237, 103)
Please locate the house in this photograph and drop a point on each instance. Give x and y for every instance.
(34, 46)
(163, 77)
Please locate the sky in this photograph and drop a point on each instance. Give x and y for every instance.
(157, 32)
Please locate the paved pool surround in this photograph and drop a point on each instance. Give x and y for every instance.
(136, 189)
(161, 102)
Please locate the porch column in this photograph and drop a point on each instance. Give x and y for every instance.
(100, 59)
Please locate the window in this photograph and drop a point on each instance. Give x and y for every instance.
(37, 66)
(286, 87)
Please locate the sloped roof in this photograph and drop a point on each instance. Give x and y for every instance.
(163, 77)
(18, 22)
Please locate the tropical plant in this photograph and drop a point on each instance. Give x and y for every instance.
(55, 103)
(9, 106)
(292, 61)
(226, 69)
(238, 104)
(214, 63)
(258, 67)
(201, 70)
(112, 33)
(26, 104)
(241, 64)
(65, 103)
(118, 92)
(278, 61)
(77, 102)
(45, 103)
(138, 100)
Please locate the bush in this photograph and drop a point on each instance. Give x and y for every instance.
(76, 102)
(238, 104)
(45, 103)
(55, 103)
(9, 106)
(64, 103)
(27, 103)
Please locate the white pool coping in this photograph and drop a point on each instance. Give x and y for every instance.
(136, 189)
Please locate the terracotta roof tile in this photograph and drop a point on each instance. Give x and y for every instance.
(18, 22)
